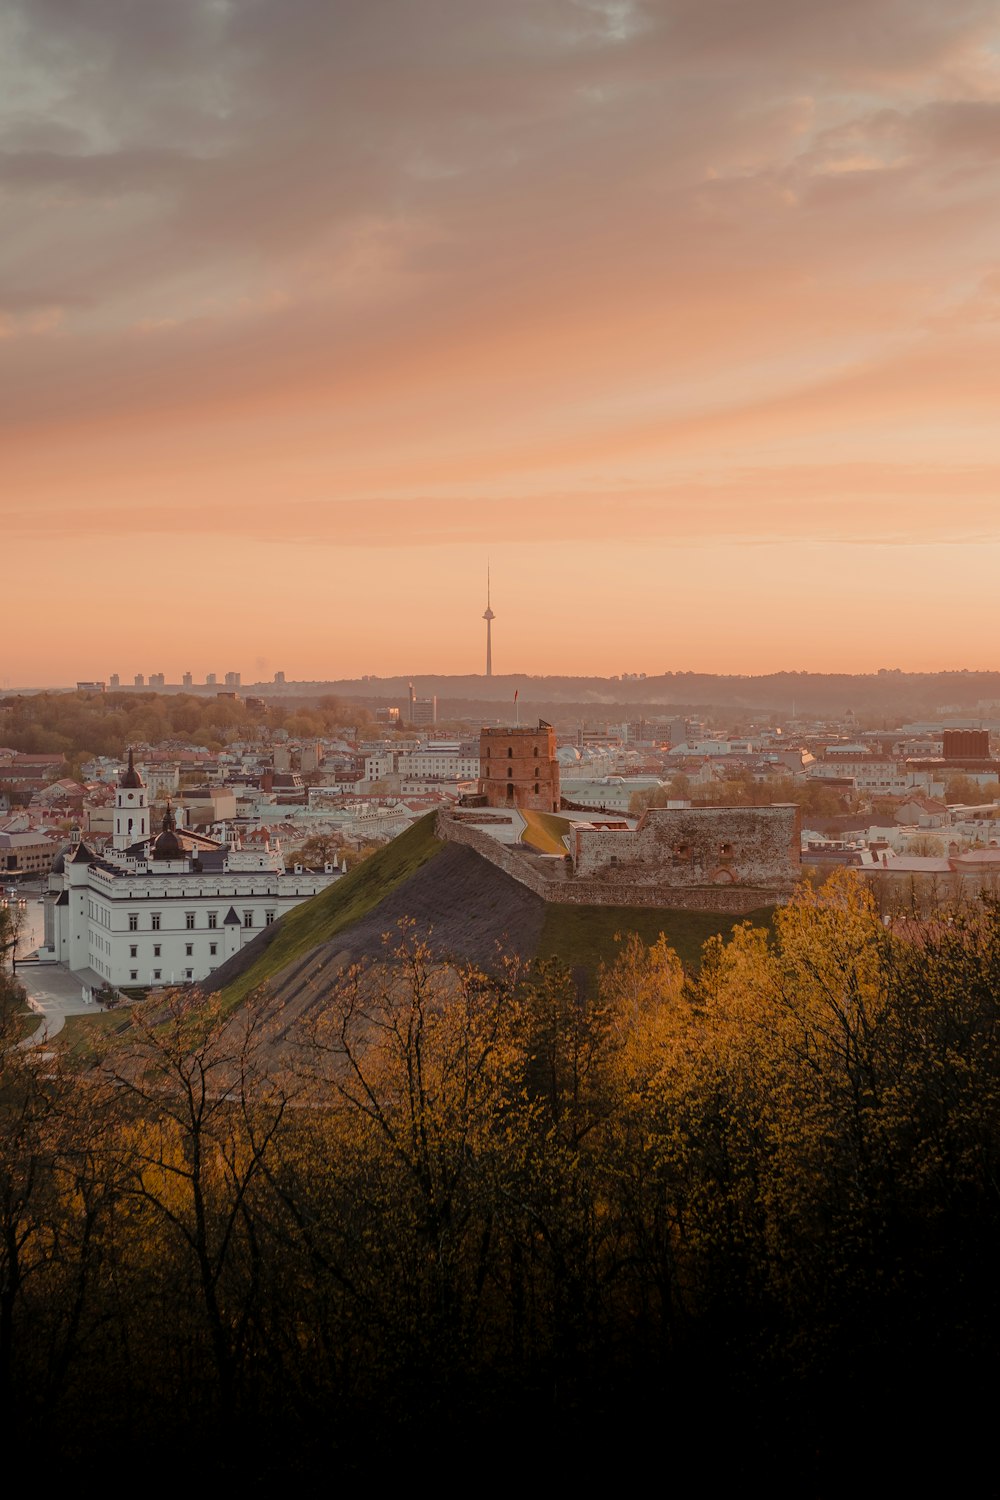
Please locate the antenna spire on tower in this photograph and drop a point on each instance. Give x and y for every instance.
(489, 617)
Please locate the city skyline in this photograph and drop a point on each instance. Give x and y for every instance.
(684, 316)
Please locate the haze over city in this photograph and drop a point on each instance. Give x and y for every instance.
(682, 315)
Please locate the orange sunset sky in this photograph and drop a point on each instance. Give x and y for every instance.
(683, 313)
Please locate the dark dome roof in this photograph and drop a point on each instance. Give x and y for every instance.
(131, 777)
(167, 846)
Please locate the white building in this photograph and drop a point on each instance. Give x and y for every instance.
(165, 909)
(442, 760)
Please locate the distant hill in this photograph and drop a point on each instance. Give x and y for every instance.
(811, 694)
(461, 905)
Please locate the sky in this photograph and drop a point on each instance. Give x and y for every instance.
(683, 316)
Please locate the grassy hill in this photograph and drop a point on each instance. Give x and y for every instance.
(322, 918)
(583, 937)
(544, 831)
(462, 906)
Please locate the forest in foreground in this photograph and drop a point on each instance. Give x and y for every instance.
(739, 1224)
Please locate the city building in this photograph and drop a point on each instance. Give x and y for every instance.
(163, 908)
(519, 768)
(29, 853)
(422, 710)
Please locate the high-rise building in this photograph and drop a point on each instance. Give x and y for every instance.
(187, 680)
(210, 679)
(489, 617)
(115, 680)
(424, 711)
(140, 681)
(232, 679)
(157, 679)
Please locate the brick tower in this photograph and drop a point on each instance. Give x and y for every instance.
(518, 768)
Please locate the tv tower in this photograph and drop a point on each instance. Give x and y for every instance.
(489, 617)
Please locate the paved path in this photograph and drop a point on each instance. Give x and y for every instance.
(54, 993)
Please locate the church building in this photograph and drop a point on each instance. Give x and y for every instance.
(163, 908)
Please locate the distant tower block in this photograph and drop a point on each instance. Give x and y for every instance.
(489, 617)
(518, 768)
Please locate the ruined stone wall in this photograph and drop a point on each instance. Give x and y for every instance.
(695, 846)
(550, 879)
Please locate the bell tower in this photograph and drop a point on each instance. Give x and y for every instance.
(131, 808)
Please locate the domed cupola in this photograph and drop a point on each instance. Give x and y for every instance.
(167, 845)
(131, 809)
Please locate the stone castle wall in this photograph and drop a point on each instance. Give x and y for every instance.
(550, 879)
(724, 846)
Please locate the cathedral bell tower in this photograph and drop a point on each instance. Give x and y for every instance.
(131, 810)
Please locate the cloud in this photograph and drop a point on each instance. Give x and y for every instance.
(367, 262)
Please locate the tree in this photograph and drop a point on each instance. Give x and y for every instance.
(320, 849)
(201, 1107)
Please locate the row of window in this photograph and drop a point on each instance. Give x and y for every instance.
(189, 920)
(133, 951)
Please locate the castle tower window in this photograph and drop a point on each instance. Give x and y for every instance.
(510, 753)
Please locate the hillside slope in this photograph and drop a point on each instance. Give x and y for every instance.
(462, 906)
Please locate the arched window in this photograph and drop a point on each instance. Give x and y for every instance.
(536, 752)
(510, 753)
